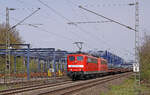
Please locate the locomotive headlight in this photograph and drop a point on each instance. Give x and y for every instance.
(76, 66)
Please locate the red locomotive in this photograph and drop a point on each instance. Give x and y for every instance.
(85, 66)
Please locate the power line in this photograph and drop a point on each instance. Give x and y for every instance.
(105, 42)
(93, 22)
(62, 15)
(67, 38)
(59, 14)
(27, 3)
(107, 5)
(24, 19)
(73, 23)
(22, 2)
(33, 25)
(24, 23)
(53, 10)
(8, 29)
(136, 30)
(87, 22)
(107, 18)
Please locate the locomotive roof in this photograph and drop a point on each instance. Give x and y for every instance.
(84, 54)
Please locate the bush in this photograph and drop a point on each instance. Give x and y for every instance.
(145, 59)
(14, 39)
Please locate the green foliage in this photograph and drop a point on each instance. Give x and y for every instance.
(126, 88)
(14, 35)
(3, 87)
(145, 59)
(14, 39)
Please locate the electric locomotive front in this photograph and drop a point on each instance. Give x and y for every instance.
(75, 65)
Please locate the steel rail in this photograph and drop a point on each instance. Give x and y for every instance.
(67, 90)
(32, 87)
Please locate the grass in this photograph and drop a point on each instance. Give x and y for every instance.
(3, 87)
(126, 88)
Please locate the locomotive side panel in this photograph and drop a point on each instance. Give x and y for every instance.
(102, 65)
(91, 64)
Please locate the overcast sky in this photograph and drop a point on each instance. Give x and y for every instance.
(53, 31)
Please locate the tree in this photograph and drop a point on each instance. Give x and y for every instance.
(145, 59)
(14, 39)
(14, 35)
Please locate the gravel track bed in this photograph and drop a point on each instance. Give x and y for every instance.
(34, 87)
(100, 88)
(68, 89)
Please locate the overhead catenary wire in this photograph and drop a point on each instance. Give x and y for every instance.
(105, 42)
(137, 65)
(107, 18)
(41, 29)
(24, 23)
(70, 3)
(20, 0)
(53, 10)
(64, 37)
(59, 14)
(86, 22)
(44, 30)
(81, 29)
(24, 19)
(107, 5)
(24, 2)
(101, 4)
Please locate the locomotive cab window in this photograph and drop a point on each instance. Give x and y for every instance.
(89, 60)
(79, 58)
(92, 60)
(71, 58)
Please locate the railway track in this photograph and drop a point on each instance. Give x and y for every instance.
(31, 87)
(24, 81)
(62, 88)
(69, 90)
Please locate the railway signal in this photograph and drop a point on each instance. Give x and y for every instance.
(136, 68)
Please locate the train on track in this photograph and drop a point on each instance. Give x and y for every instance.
(85, 66)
